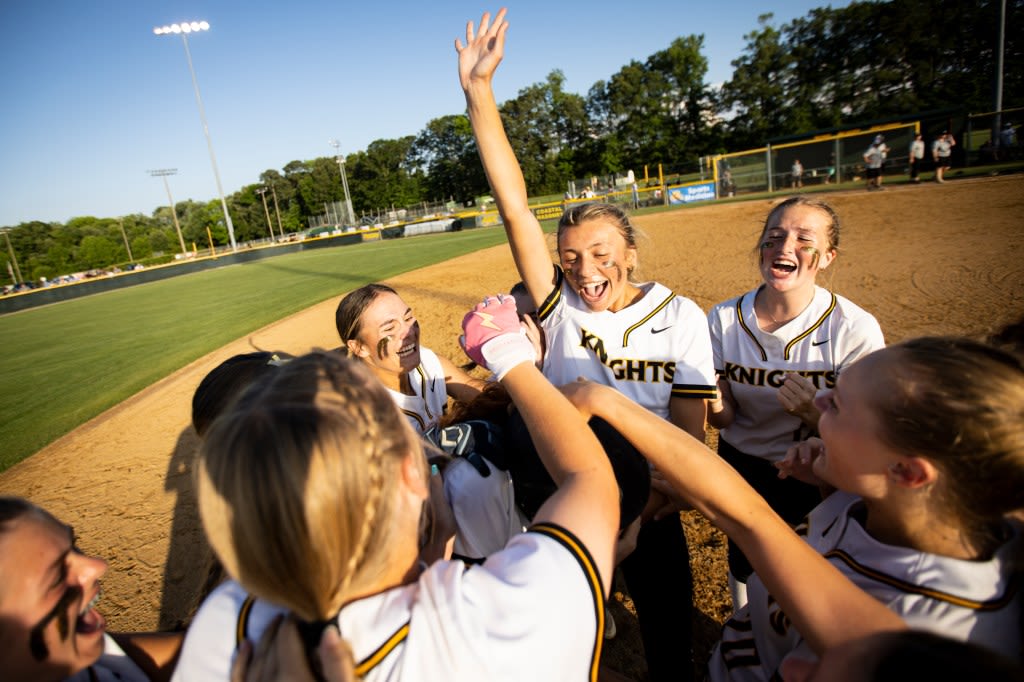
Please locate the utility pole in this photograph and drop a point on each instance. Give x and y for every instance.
(262, 191)
(163, 173)
(127, 246)
(18, 279)
(277, 211)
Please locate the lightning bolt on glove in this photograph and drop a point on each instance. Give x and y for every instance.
(493, 337)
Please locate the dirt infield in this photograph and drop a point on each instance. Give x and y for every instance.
(925, 259)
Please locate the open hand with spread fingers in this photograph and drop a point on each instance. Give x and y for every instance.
(482, 53)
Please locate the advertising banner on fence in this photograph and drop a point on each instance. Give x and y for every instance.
(685, 194)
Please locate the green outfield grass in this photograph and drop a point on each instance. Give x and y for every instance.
(65, 363)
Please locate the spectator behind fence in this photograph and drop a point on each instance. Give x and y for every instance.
(874, 161)
(942, 154)
(915, 156)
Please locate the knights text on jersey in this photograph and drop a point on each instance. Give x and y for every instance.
(828, 336)
(975, 601)
(536, 606)
(652, 351)
(430, 398)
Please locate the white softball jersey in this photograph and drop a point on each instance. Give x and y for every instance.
(826, 338)
(651, 351)
(973, 601)
(430, 396)
(113, 665)
(484, 507)
(534, 610)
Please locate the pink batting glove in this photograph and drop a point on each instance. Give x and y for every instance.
(493, 336)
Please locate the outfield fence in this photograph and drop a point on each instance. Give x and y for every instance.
(826, 158)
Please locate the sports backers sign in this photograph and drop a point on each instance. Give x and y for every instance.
(685, 194)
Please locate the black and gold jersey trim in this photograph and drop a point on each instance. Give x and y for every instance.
(810, 330)
(417, 417)
(371, 661)
(551, 302)
(789, 346)
(904, 586)
(743, 325)
(423, 393)
(242, 624)
(702, 391)
(364, 666)
(646, 318)
(579, 551)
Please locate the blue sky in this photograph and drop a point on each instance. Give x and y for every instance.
(92, 99)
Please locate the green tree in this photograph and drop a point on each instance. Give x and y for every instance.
(446, 152)
(545, 127)
(656, 111)
(383, 176)
(97, 252)
(756, 96)
(197, 218)
(142, 247)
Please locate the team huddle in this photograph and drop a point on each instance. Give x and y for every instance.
(381, 512)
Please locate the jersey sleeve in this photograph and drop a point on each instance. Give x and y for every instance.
(541, 597)
(226, 618)
(484, 507)
(715, 330)
(861, 335)
(550, 304)
(694, 376)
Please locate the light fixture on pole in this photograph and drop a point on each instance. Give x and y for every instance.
(183, 30)
(344, 181)
(163, 173)
(262, 191)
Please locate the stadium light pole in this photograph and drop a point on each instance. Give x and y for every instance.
(262, 191)
(163, 173)
(183, 29)
(344, 181)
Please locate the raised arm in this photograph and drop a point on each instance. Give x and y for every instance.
(785, 563)
(587, 499)
(478, 59)
(460, 384)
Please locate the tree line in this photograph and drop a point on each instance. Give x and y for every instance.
(832, 68)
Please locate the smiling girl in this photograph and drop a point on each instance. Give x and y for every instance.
(775, 348)
(639, 338)
(49, 626)
(379, 329)
(923, 443)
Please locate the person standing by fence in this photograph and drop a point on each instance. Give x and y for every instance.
(874, 158)
(942, 152)
(916, 155)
